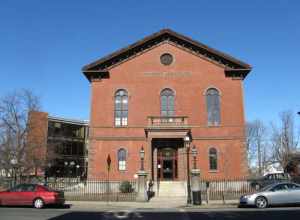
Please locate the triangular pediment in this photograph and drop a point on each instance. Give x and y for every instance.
(232, 66)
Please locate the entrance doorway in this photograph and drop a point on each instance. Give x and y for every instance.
(167, 164)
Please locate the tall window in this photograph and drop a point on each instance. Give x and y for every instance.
(213, 159)
(121, 108)
(122, 159)
(167, 103)
(213, 106)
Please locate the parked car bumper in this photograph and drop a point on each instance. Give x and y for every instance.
(247, 201)
(56, 201)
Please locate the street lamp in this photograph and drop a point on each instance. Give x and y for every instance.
(67, 168)
(14, 165)
(72, 163)
(48, 169)
(85, 168)
(187, 141)
(47, 173)
(77, 169)
(194, 154)
(142, 156)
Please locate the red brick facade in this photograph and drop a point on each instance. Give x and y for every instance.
(143, 76)
(37, 141)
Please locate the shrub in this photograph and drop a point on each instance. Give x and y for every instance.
(126, 187)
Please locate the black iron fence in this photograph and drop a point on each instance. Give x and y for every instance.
(101, 190)
(88, 190)
(93, 189)
(6, 183)
(225, 189)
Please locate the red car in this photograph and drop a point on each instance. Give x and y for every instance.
(31, 194)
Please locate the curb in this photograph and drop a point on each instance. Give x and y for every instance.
(136, 205)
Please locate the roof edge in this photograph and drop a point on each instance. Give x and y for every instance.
(119, 55)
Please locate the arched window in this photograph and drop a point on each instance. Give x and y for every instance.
(167, 103)
(213, 106)
(122, 159)
(121, 108)
(213, 159)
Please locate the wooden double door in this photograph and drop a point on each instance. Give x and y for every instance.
(167, 164)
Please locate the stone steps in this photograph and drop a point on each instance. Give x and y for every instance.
(174, 189)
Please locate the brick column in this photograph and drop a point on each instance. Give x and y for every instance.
(195, 186)
(142, 186)
(150, 166)
(155, 164)
(181, 164)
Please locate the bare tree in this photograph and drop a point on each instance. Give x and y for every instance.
(14, 128)
(249, 143)
(256, 136)
(283, 140)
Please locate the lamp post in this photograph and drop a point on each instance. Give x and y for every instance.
(47, 173)
(14, 164)
(108, 164)
(77, 169)
(67, 168)
(142, 156)
(72, 163)
(85, 168)
(142, 178)
(195, 183)
(187, 140)
(49, 167)
(194, 154)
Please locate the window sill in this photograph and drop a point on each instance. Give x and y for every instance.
(213, 126)
(213, 171)
(123, 126)
(122, 171)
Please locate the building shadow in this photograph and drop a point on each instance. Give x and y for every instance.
(65, 206)
(209, 215)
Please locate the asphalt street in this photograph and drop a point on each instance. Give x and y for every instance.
(24, 213)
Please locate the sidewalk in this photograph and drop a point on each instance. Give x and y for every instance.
(105, 206)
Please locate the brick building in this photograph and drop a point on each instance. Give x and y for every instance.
(62, 145)
(167, 93)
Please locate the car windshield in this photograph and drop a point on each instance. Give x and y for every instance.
(266, 188)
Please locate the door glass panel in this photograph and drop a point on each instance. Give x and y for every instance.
(168, 169)
(167, 164)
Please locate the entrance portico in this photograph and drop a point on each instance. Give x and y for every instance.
(165, 137)
(165, 158)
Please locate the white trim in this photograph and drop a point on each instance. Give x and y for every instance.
(212, 87)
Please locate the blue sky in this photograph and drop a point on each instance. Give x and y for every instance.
(44, 44)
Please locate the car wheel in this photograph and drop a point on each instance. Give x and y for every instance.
(38, 203)
(261, 202)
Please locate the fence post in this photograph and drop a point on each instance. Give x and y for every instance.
(207, 192)
(195, 186)
(142, 195)
(224, 190)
